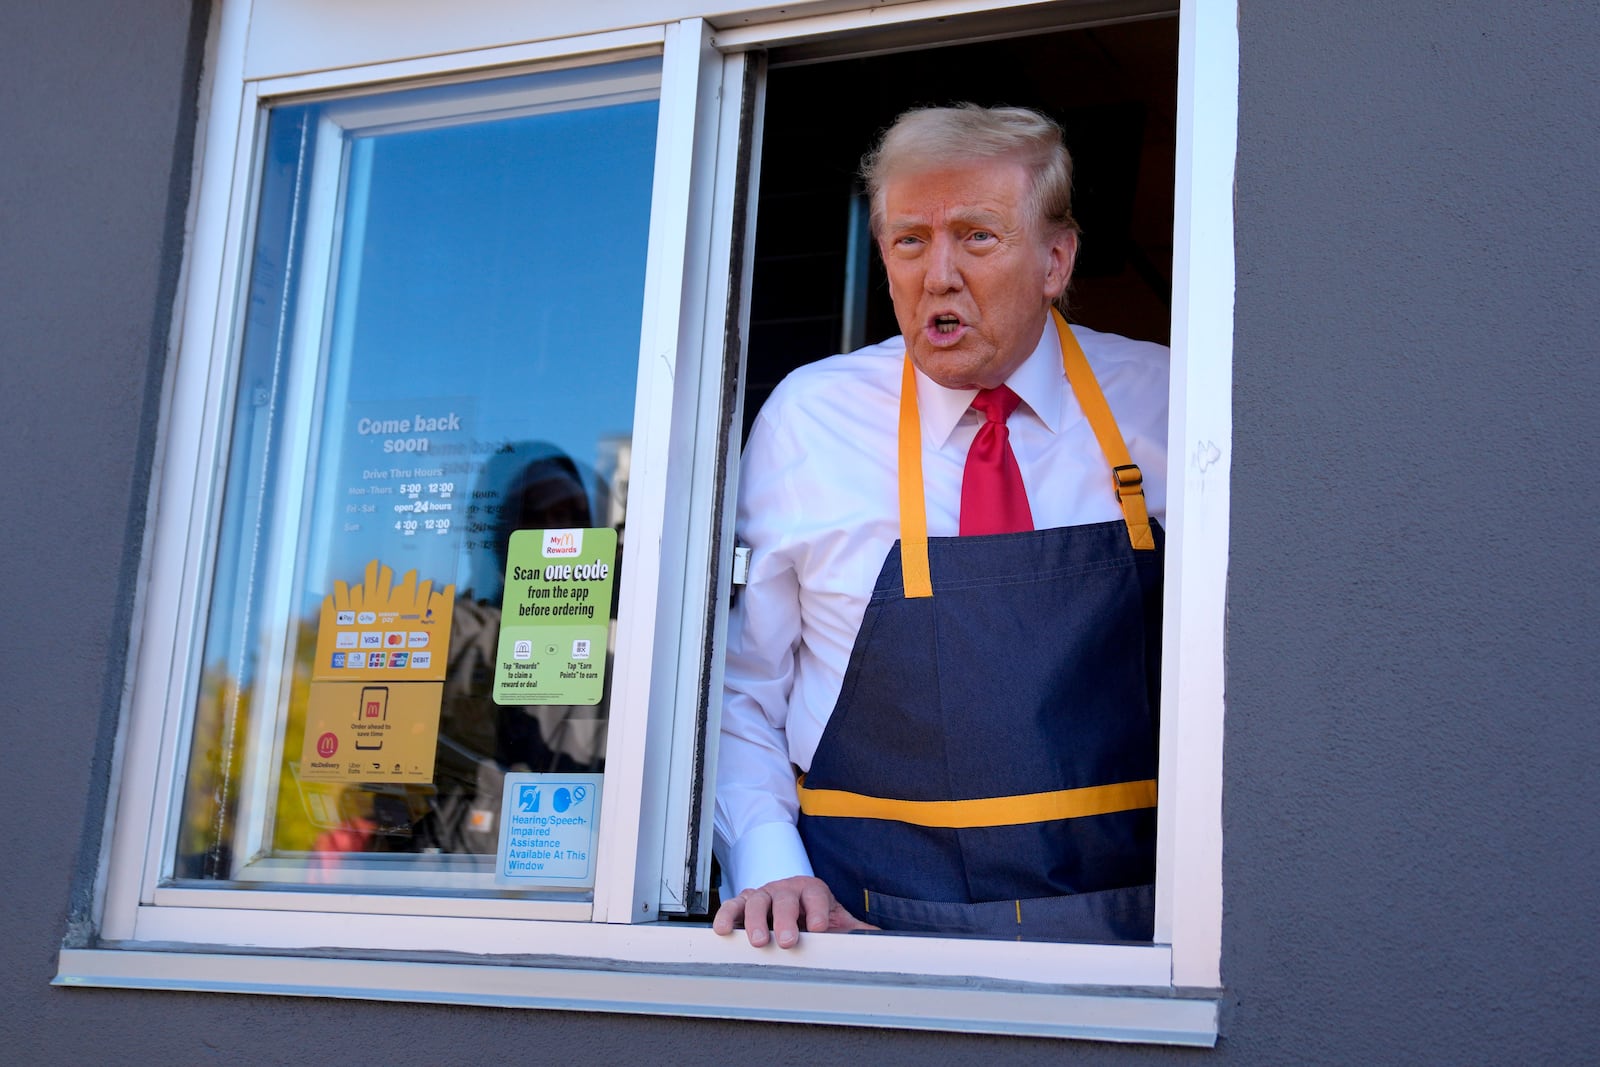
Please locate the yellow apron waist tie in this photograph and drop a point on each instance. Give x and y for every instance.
(987, 811)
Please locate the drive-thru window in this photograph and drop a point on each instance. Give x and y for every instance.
(478, 305)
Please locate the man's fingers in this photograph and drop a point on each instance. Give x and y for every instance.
(848, 922)
(728, 916)
(776, 910)
(749, 907)
(786, 917)
(819, 905)
(757, 908)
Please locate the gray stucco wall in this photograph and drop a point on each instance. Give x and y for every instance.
(1412, 670)
(1410, 849)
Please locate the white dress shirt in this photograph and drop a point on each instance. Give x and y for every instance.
(819, 510)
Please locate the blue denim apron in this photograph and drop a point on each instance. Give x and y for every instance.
(989, 768)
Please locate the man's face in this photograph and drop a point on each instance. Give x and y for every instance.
(970, 274)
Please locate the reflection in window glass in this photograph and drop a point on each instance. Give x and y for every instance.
(439, 349)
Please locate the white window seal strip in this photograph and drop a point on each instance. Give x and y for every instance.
(892, 1001)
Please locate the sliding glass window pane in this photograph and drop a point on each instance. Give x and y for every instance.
(439, 350)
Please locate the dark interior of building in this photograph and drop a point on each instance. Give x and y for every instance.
(817, 289)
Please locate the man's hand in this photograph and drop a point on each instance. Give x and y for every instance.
(783, 905)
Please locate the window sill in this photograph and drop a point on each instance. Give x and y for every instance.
(728, 991)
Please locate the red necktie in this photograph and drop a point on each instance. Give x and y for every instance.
(993, 498)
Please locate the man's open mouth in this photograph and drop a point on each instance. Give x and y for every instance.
(946, 323)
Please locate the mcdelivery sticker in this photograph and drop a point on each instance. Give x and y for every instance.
(373, 713)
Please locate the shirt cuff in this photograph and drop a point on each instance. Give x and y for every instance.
(765, 853)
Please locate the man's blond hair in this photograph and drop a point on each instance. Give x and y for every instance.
(934, 138)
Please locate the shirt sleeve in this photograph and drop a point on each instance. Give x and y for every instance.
(756, 806)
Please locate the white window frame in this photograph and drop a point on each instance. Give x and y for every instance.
(523, 954)
(311, 333)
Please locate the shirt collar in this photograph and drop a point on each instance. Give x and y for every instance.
(1040, 382)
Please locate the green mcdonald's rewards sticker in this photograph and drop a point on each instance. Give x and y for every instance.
(555, 617)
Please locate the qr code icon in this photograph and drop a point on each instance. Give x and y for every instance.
(580, 649)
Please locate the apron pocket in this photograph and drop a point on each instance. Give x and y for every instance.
(1126, 914)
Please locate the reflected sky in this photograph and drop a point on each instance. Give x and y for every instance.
(485, 266)
(498, 278)
(506, 260)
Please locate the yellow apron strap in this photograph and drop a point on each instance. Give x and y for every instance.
(1126, 479)
(913, 510)
(988, 811)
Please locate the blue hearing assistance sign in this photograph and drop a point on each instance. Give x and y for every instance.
(549, 827)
